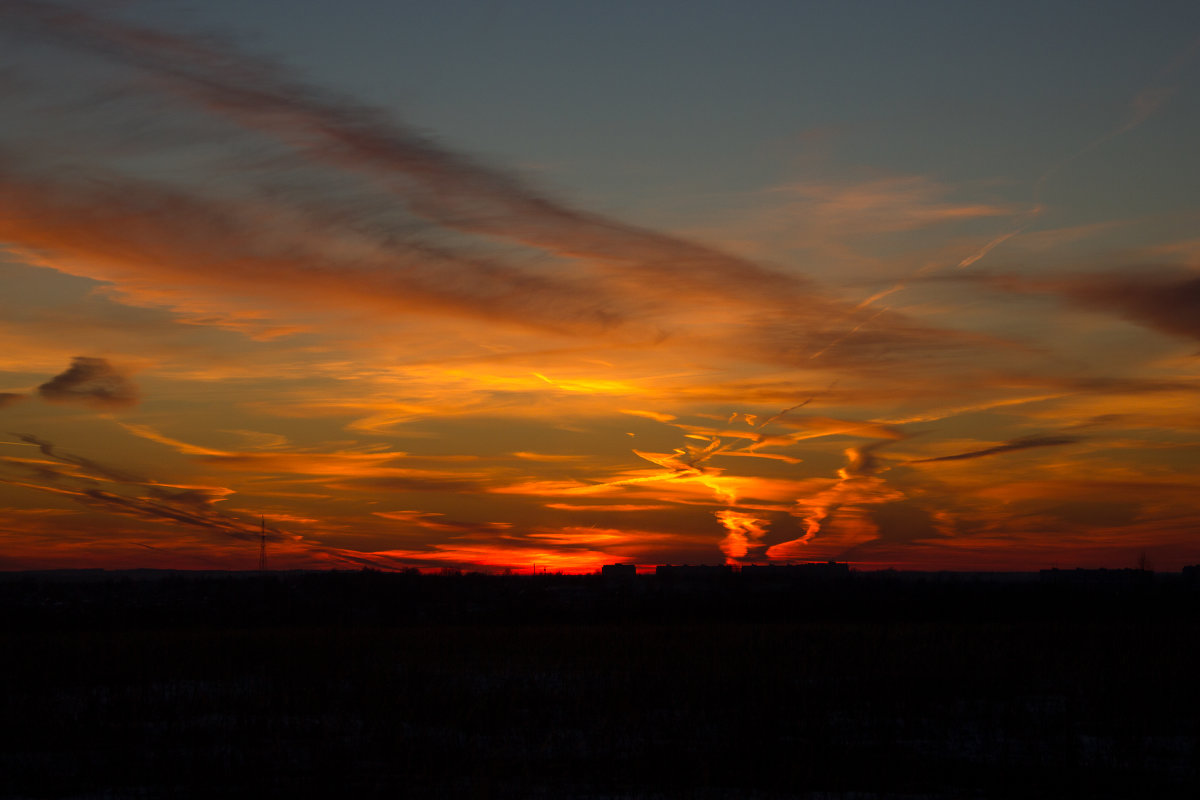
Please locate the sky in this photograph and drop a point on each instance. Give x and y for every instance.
(544, 286)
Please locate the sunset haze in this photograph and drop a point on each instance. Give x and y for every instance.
(533, 285)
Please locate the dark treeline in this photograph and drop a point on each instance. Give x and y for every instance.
(725, 685)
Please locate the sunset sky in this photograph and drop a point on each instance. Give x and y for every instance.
(511, 284)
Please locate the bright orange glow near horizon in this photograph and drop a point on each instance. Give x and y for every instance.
(233, 295)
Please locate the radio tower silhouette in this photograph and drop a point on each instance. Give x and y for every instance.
(262, 546)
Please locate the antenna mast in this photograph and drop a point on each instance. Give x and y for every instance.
(262, 545)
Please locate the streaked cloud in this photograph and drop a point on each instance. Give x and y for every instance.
(1027, 443)
(1166, 301)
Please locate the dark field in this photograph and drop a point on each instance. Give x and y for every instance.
(365, 685)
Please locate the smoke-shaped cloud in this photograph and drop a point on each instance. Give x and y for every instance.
(91, 381)
(746, 531)
(10, 398)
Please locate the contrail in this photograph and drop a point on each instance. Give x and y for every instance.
(1025, 443)
(160, 506)
(1145, 104)
(1030, 216)
(850, 332)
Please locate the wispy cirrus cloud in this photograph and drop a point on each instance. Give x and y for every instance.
(382, 470)
(469, 241)
(160, 245)
(447, 187)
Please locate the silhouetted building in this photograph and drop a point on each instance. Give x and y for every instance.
(1097, 577)
(619, 572)
(826, 570)
(692, 571)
